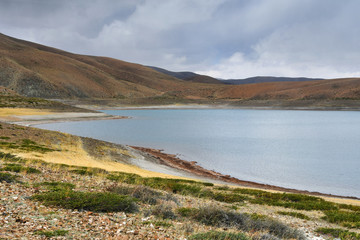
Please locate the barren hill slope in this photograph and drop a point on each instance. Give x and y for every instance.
(35, 70)
(347, 88)
(39, 71)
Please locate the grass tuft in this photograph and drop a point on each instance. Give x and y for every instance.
(144, 194)
(287, 200)
(7, 177)
(57, 186)
(294, 214)
(8, 157)
(215, 235)
(90, 201)
(11, 167)
(178, 186)
(339, 233)
(217, 217)
(342, 216)
(89, 171)
(49, 234)
(164, 211)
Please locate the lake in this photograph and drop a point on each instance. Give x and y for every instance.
(306, 150)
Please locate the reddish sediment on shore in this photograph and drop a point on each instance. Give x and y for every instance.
(192, 167)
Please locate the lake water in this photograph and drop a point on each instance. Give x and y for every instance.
(307, 150)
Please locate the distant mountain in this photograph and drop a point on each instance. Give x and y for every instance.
(189, 76)
(263, 79)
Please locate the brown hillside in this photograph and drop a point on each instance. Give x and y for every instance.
(35, 70)
(38, 71)
(318, 90)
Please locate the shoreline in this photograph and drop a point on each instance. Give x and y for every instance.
(31, 120)
(209, 106)
(171, 161)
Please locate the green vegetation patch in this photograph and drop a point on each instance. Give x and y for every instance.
(144, 194)
(55, 233)
(56, 186)
(217, 217)
(29, 145)
(287, 200)
(11, 167)
(350, 207)
(223, 196)
(26, 145)
(7, 177)
(91, 201)
(214, 235)
(187, 212)
(8, 157)
(294, 214)
(178, 186)
(165, 224)
(339, 233)
(89, 171)
(164, 211)
(342, 216)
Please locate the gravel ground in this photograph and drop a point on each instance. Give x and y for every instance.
(21, 217)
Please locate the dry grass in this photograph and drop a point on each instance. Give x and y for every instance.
(10, 114)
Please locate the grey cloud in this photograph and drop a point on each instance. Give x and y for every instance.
(227, 38)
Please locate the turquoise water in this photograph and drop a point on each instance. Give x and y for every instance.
(308, 150)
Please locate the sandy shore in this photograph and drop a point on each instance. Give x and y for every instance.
(30, 117)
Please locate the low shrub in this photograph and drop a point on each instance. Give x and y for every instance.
(339, 233)
(89, 171)
(207, 184)
(179, 186)
(295, 201)
(187, 212)
(164, 211)
(129, 178)
(143, 193)
(11, 167)
(7, 177)
(217, 217)
(8, 157)
(91, 201)
(350, 207)
(214, 235)
(49, 234)
(229, 197)
(351, 225)
(222, 188)
(29, 145)
(294, 214)
(164, 224)
(341, 216)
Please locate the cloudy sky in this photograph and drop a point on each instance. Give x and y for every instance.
(221, 38)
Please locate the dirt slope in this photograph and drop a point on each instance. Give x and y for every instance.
(39, 71)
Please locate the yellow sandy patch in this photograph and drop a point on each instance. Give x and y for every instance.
(74, 154)
(343, 200)
(11, 113)
(23, 111)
